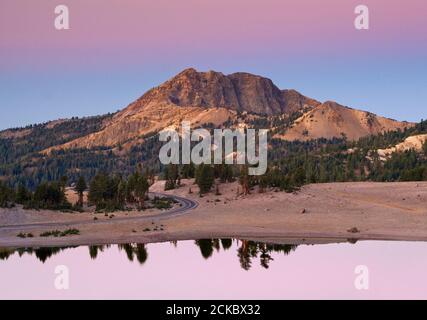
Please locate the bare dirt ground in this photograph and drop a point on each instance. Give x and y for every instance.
(383, 211)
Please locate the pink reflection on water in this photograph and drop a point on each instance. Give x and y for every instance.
(396, 270)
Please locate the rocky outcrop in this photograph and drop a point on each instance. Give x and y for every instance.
(329, 120)
(415, 142)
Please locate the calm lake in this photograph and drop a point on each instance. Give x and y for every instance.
(218, 269)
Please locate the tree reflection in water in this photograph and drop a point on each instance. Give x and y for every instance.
(247, 251)
(135, 250)
(41, 254)
(6, 253)
(95, 250)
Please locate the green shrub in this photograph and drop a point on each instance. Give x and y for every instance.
(57, 233)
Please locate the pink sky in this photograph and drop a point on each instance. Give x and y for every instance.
(159, 29)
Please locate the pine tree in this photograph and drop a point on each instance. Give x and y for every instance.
(263, 183)
(141, 188)
(22, 195)
(204, 178)
(6, 196)
(98, 190)
(299, 177)
(122, 193)
(63, 182)
(171, 176)
(226, 173)
(80, 188)
(188, 171)
(244, 180)
(323, 176)
(50, 196)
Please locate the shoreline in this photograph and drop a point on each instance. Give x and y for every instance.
(297, 239)
(319, 212)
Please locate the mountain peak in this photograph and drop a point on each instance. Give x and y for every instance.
(188, 71)
(240, 91)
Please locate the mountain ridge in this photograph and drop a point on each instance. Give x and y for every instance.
(213, 98)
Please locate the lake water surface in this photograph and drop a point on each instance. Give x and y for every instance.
(218, 269)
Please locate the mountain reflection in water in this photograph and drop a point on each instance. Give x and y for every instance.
(247, 253)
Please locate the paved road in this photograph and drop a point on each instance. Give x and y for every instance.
(185, 206)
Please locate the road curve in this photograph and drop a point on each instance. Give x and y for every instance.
(186, 205)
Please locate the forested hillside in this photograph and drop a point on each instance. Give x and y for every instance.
(19, 148)
(320, 160)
